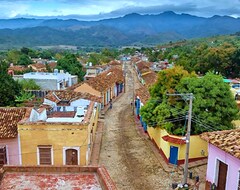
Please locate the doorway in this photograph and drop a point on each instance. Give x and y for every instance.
(71, 157)
(173, 159)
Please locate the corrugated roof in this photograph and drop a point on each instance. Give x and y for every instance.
(227, 140)
(9, 118)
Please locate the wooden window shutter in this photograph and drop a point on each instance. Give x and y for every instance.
(45, 155)
(3, 155)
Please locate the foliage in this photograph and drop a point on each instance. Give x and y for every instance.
(24, 60)
(214, 106)
(29, 85)
(8, 88)
(70, 64)
(23, 97)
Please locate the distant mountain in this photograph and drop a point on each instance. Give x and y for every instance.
(129, 29)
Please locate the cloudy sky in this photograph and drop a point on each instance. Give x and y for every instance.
(99, 9)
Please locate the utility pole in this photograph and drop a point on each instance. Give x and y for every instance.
(190, 97)
(188, 139)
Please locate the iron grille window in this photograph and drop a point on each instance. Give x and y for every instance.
(3, 155)
(45, 155)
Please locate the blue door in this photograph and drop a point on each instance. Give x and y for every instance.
(173, 155)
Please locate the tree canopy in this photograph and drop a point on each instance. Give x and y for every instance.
(9, 88)
(70, 64)
(214, 106)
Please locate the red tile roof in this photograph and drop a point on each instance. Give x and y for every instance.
(143, 94)
(106, 79)
(69, 95)
(174, 140)
(228, 140)
(38, 66)
(9, 118)
(141, 65)
(150, 77)
(17, 68)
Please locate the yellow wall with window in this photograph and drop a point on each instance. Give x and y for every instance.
(58, 135)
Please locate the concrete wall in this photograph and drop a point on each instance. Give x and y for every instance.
(233, 163)
(12, 150)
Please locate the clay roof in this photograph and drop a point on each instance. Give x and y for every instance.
(114, 62)
(38, 66)
(141, 65)
(52, 65)
(69, 95)
(143, 94)
(150, 77)
(17, 68)
(227, 140)
(9, 118)
(174, 140)
(106, 79)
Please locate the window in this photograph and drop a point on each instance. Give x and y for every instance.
(3, 155)
(239, 180)
(45, 155)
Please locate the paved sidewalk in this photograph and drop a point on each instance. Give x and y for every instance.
(97, 144)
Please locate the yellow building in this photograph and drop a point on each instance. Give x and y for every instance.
(173, 148)
(61, 135)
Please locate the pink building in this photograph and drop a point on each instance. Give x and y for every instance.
(223, 169)
(9, 140)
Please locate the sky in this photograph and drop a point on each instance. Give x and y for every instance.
(100, 9)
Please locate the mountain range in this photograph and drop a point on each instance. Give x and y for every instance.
(131, 29)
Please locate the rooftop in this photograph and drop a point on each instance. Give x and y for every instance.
(68, 95)
(9, 118)
(46, 76)
(227, 141)
(106, 79)
(66, 177)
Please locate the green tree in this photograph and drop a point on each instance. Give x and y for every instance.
(24, 60)
(159, 107)
(9, 88)
(13, 56)
(70, 64)
(29, 85)
(214, 106)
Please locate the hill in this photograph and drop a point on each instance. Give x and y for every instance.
(127, 30)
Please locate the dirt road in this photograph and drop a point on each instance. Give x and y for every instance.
(124, 152)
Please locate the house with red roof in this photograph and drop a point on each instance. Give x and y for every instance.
(107, 85)
(9, 137)
(223, 169)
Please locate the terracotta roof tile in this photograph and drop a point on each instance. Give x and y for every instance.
(141, 65)
(150, 77)
(69, 95)
(17, 68)
(106, 79)
(38, 66)
(174, 140)
(143, 94)
(115, 62)
(9, 118)
(227, 140)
